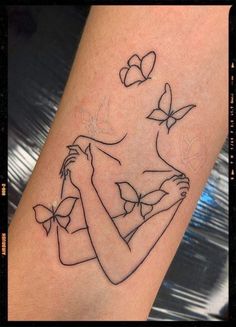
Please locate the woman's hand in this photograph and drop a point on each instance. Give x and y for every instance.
(177, 187)
(79, 165)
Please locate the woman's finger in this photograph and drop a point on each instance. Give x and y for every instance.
(74, 148)
(72, 156)
(181, 177)
(179, 180)
(183, 183)
(173, 178)
(69, 162)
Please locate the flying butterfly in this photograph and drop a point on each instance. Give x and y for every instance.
(132, 198)
(138, 69)
(61, 214)
(165, 113)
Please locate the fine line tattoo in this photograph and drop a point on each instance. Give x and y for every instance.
(138, 70)
(85, 216)
(165, 113)
(147, 207)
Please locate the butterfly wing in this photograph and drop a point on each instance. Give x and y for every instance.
(123, 73)
(162, 113)
(145, 209)
(134, 61)
(133, 75)
(127, 192)
(63, 221)
(165, 101)
(148, 63)
(178, 114)
(66, 206)
(159, 115)
(42, 213)
(47, 226)
(129, 206)
(43, 216)
(170, 122)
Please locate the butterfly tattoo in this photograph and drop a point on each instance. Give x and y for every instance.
(138, 69)
(164, 112)
(61, 214)
(132, 198)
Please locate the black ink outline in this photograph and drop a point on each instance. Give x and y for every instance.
(170, 113)
(156, 171)
(53, 215)
(128, 237)
(139, 67)
(109, 155)
(138, 201)
(149, 209)
(59, 253)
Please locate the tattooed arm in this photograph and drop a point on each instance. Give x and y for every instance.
(139, 72)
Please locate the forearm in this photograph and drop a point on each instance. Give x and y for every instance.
(113, 253)
(190, 44)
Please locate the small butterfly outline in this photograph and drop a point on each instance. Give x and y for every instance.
(138, 69)
(165, 113)
(61, 214)
(132, 198)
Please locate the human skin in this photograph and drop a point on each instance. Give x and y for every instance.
(191, 46)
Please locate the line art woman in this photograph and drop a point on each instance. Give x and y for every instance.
(117, 198)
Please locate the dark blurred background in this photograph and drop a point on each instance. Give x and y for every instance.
(42, 43)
